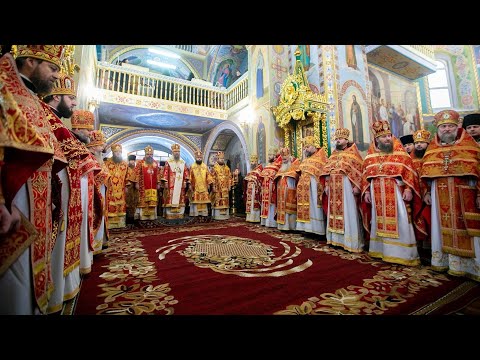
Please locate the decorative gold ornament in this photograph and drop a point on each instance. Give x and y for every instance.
(299, 103)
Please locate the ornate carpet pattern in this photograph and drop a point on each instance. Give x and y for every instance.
(233, 267)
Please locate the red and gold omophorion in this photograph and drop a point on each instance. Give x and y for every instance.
(115, 196)
(222, 182)
(18, 140)
(269, 192)
(200, 180)
(35, 170)
(382, 170)
(286, 197)
(310, 166)
(81, 162)
(147, 176)
(100, 205)
(176, 176)
(252, 188)
(452, 166)
(347, 162)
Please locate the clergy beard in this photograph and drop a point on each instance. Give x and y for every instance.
(419, 153)
(448, 138)
(339, 147)
(309, 153)
(64, 110)
(149, 160)
(83, 138)
(198, 161)
(117, 159)
(285, 166)
(131, 166)
(98, 156)
(386, 148)
(271, 159)
(44, 87)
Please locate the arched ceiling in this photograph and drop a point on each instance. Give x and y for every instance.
(157, 143)
(197, 61)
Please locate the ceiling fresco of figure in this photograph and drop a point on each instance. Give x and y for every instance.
(123, 115)
(229, 63)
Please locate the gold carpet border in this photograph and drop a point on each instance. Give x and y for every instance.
(453, 295)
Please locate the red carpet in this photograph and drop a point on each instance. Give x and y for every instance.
(232, 267)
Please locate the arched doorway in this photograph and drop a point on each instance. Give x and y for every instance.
(159, 140)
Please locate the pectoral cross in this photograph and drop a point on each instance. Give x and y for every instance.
(445, 217)
(178, 172)
(443, 186)
(337, 164)
(446, 161)
(381, 160)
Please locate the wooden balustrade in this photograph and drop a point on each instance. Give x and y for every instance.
(134, 82)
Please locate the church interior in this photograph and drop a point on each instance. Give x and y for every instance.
(242, 101)
(167, 94)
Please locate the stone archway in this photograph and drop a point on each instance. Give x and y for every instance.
(228, 125)
(158, 139)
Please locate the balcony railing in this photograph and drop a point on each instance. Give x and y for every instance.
(184, 47)
(425, 50)
(143, 83)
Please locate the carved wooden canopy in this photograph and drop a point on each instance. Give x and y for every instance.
(299, 106)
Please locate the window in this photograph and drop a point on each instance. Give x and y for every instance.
(439, 86)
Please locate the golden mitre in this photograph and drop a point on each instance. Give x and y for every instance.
(284, 151)
(96, 138)
(148, 150)
(116, 147)
(82, 119)
(421, 135)
(64, 85)
(341, 133)
(381, 128)
(50, 53)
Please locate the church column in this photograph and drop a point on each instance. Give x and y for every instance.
(268, 68)
(87, 97)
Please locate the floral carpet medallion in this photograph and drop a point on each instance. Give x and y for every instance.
(188, 270)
